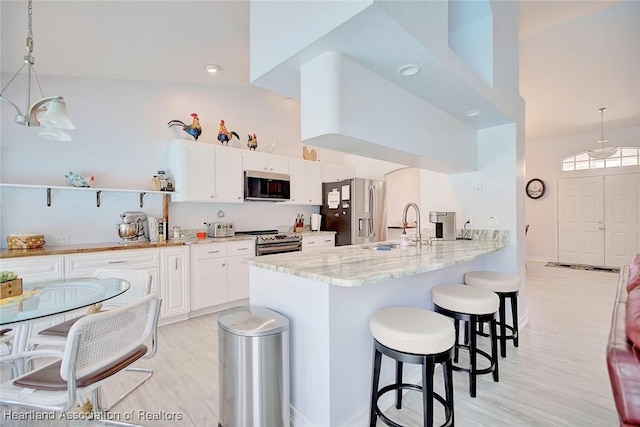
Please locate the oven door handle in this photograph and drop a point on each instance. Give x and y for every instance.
(262, 250)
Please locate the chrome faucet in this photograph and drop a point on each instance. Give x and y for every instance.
(418, 224)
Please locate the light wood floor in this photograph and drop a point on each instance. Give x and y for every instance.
(557, 377)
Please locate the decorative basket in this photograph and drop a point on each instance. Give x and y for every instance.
(25, 241)
(11, 288)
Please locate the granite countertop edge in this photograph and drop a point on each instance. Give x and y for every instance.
(351, 266)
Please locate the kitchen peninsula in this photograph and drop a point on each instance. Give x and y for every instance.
(329, 297)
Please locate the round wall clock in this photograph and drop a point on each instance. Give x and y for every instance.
(535, 188)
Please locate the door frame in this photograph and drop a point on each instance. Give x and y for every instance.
(607, 258)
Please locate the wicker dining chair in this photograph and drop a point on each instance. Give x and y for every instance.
(97, 347)
(140, 286)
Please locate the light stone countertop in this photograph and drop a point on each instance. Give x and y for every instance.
(358, 265)
(113, 246)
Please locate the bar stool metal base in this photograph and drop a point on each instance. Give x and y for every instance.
(507, 332)
(470, 343)
(428, 362)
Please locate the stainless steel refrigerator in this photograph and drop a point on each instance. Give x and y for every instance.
(355, 210)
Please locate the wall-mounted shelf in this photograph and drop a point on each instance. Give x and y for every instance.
(98, 191)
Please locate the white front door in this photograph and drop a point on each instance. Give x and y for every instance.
(581, 220)
(622, 223)
(599, 220)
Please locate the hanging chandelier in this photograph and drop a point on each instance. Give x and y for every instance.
(51, 111)
(602, 152)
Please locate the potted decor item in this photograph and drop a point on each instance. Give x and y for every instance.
(10, 284)
(75, 180)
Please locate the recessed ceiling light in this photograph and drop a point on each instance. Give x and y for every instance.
(472, 113)
(212, 68)
(409, 70)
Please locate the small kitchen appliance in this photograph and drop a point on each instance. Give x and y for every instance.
(445, 225)
(354, 209)
(134, 227)
(315, 222)
(221, 229)
(266, 186)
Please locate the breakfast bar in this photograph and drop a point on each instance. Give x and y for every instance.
(329, 296)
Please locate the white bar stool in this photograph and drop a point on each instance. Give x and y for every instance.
(413, 335)
(473, 306)
(505, 286)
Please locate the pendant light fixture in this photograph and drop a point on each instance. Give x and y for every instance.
(602, 152)
(49, 111)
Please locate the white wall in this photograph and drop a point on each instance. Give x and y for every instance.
(544, 159)
(121, 138)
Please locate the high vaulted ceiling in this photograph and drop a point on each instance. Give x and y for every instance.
(575, 56)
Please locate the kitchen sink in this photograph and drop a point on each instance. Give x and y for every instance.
(382, 246)
(394, 246)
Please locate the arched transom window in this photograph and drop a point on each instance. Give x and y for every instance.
(625, 156)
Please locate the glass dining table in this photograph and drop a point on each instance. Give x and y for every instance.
(53, 298)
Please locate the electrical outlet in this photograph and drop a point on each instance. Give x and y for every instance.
(469, 219)
(477, 189)
(61, 239)
(494, 221)
(204, 220)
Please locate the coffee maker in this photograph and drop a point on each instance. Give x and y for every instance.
(445, 225)
(134, 227)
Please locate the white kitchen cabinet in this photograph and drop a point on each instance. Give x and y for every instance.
(334, 173)
(237, 272)
(36, 268)
(298, 183)
(312, 241)
(174, 281)
(263, 162)
(205, 173)
(218, 275)
(84, 265)
(229, 181)
(306, 182)
(168, 268)
(192, 165)
(313, 183)
(208, 275)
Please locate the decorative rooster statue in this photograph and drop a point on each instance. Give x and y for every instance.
(309, 155)
(194, 129)
(224, 135)
(253, 142)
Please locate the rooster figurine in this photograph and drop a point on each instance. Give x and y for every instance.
(194, 129)
(252, 143)
(224, 136)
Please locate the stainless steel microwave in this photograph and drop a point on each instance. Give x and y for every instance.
(265, 186)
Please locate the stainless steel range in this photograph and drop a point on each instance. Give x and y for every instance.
(270, 242)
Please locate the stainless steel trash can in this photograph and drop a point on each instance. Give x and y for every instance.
(253, 348)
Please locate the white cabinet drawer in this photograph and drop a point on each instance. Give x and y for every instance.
(208, 250)
(318, 241)
(35, 268)
(85, 264)
(245, 248)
